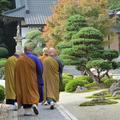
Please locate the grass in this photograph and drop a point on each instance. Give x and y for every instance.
(93, 103)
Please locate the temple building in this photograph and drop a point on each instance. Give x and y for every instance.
(34, 13)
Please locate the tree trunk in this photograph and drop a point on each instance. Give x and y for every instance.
(95, 78)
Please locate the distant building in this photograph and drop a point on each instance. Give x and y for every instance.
(34, 13)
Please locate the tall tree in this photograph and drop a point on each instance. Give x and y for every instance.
(96, 13)
(55, 25)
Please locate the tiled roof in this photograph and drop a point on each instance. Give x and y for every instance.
(37, 11)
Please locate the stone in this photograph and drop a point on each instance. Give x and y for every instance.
(80, 89)
(116, 93)
(115, 88)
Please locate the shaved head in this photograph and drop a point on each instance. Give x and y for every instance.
(45, 51)
(52, 52)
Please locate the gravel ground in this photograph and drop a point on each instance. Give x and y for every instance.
(102, 112)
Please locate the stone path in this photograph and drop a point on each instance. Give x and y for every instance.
(72, 101)
(44, 114)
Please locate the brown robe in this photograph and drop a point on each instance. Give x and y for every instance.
(51, 78)
(9, 78)
(26, 84)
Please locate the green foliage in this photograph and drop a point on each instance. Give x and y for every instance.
(68, 35)
(91, 85)
(2, 95)
(89, 33)
(96, 13)
(83, 45)
(107, 81)
(75, 23)
(66, 78)
(4, 4)
(37, 51)
(3, 52)
(99, 64)
(110, 54)
(2, 62)
(114, 4)
(34, 37)
(86, 41)
(33, 34)
(115, 64)
(35, 40)
(72, 85)
(63, 45)
(84, 78)
(105, 94)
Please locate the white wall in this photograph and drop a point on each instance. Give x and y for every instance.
(24, 31)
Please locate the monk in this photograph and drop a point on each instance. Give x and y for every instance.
(42, 58)
(51, 76)
(45, 54)
(9, 78)
(28, 81)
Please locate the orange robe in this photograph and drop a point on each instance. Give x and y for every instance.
(43, 57)
(26, 84)
(51, 78)
(9, 78)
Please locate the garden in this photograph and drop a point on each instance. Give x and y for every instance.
(79, 31)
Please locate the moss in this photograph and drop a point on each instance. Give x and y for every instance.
(105, 94)
(92, 103)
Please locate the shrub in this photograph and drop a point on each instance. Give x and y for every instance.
(72, 85)
(66, 78)
(3, 52)
(91, 85)
(2, 95)
(2, 62)
(107, 81)
(86, 78)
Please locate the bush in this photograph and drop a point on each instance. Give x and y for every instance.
(107, 81)
(66, 78)
(3, 52)
(2, 62)
(86, 78)
(2, 95)
(72, 85)
(91, 85)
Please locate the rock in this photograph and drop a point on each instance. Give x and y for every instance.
(115, 88)
(116, 93)
(80, 89)
(102, 99)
